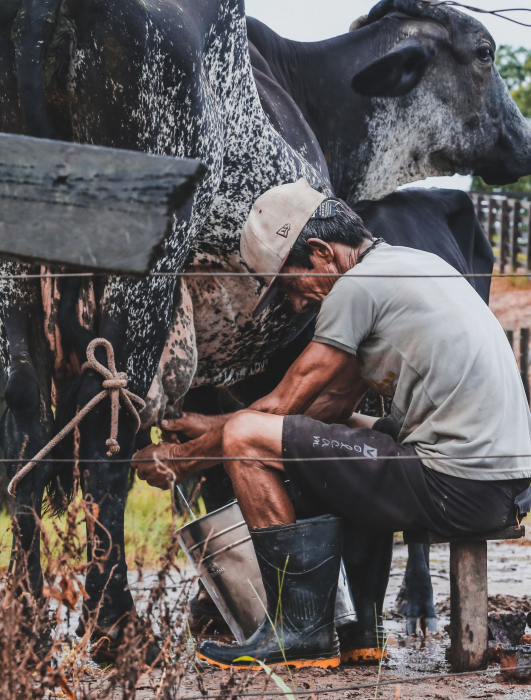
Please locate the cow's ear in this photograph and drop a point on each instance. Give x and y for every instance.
(397, 72)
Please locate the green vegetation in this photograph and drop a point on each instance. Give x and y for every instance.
(515, 68)
(148, 527)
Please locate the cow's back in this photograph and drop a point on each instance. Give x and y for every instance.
(439, 221)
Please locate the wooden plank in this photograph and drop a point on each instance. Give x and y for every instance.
(468, 606)
(524, 359)
(87, 206)
(427, 537)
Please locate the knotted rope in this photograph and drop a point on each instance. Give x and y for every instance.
(114, 386)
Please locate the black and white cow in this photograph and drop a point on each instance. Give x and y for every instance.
(171, 78)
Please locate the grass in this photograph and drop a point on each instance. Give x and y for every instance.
(148, 527)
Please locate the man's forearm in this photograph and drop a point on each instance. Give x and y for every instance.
(359, 420)
(207, 446)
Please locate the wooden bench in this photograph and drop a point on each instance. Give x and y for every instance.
(468, 592)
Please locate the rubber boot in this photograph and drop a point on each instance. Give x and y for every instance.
(367, 563)
(300, 569)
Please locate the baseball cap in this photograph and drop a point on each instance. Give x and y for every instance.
(274, 224)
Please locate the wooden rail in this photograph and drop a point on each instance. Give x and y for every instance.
(507, 224)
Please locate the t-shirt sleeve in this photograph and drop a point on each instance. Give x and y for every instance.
(347, 316)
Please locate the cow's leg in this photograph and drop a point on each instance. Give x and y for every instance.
(418, 605)
(104, 483)
(104, 479)
(27, 421)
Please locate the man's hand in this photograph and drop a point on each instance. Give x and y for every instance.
(158, 471)
(193, 425)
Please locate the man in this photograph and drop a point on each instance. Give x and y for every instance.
(406, 323)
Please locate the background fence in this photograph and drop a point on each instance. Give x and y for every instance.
(507, 224)
(521, 352)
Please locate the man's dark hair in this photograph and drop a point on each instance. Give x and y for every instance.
(345, 227)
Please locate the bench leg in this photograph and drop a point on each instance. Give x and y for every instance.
(468, 606)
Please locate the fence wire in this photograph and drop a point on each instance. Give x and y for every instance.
(234, 693)
(472, 8)
(335, 275)
(266, 458)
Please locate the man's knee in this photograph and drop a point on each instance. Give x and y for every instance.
(240, 433)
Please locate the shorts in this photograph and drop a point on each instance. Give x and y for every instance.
(381, 495)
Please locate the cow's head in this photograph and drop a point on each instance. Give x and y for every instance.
(439, 105)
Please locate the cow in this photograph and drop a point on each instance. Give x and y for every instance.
(175, 79)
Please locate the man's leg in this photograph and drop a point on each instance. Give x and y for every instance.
(306, 554)
(258, 480)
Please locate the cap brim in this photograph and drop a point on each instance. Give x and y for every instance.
(271, 291)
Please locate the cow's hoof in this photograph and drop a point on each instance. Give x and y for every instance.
(105, 651)
(421, 626)
(108, 645)
(204, 617)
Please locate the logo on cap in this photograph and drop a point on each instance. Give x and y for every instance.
(284, 230)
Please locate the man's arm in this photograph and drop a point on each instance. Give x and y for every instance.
(315, 369)
(338, 401)
(318, 367)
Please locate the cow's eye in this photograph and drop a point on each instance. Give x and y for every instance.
(485, 53)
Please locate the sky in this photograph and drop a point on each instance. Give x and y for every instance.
(313, 20)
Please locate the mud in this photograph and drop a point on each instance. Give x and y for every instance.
(509, 589)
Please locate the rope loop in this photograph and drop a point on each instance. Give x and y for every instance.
(114, 386)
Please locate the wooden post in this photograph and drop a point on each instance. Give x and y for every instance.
(515, 246)
(504, 234)
(524, 359)
(527, 207)
(509, 332)
(479, 207)
(491, 216)
(469, 606)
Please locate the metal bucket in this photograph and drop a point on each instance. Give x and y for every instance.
(220, 549)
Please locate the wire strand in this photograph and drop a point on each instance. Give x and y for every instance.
(497, 13)
(268, 458)
(234, 693)
(457, 275)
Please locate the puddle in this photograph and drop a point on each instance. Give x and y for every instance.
(509, 574)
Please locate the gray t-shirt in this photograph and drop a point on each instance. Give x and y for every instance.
(436, 349)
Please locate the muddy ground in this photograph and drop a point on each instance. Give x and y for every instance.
(509, 588)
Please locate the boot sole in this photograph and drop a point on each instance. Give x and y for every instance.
(363, 656)
(300, 663)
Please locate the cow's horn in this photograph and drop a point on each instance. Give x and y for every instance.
(359, 23)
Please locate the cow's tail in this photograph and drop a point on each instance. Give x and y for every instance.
(75, 340)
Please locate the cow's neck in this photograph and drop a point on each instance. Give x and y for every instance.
(368, 149)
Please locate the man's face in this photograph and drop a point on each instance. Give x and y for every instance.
(308, 291)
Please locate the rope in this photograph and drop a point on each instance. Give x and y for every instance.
(114, 386)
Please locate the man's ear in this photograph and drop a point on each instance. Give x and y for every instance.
(397, 72)
(321, 249)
